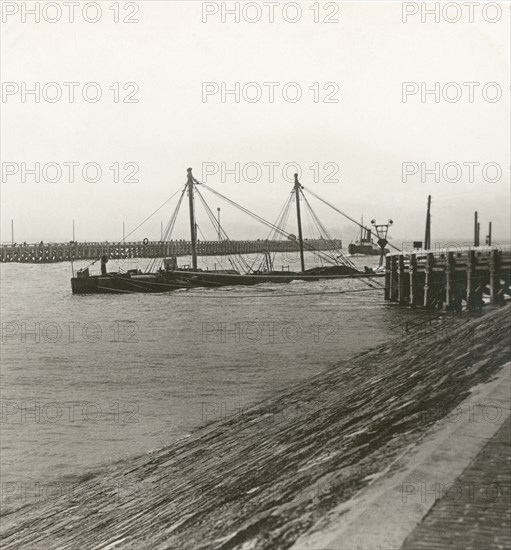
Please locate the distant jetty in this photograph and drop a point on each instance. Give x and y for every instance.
(65, 252)
(268, 474)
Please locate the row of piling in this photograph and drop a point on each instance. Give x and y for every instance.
(63, 252)
(447, 279)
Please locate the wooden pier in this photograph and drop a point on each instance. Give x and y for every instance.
(65, 252)
(447, 278)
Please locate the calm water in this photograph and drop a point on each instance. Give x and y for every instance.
(89, 379)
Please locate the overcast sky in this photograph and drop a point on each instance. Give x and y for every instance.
(361, 61)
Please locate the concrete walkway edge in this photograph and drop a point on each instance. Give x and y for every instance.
(384, 514)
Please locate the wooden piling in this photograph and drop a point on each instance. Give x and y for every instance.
(387, 277)
(403, 282)
(428, 283)
(414, 281)
(394, 290)
(450, 276)
(471, 266)
(494, 264)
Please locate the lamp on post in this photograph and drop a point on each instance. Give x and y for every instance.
(382, 231)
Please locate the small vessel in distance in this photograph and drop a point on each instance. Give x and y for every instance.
(365, 244)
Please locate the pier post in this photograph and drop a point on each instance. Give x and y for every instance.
(428, 282)
(471, 265)
(403, 283)
(450, 274)
(394, 291)
(412, 269)
(494, 264)
(387, 278)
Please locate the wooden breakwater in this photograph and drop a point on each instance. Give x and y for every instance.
(65, 252)
(446, 278)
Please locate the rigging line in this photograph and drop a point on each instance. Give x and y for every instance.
(219, 260)
(235, 267)
(236, 255)
(168, 231)
(346, 216)
(327, 255)
(211, 216)
(319, 221)
(344, 260)
(149, 217)
(169, 228)
(274, 236)
(219, 229)
(312, 228)
(284, 221)
(200, 231)
(309, 223)
(330, 240)
(312, 232)
(324, 259)
(280, 222)
(246, 211)
(258, 218)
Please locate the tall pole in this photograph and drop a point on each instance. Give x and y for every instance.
(193, 229)
(299, 220)
(12, 231)
(489, 234)
(476, 243)
(427, 236)
(71, 250)
(219, 227)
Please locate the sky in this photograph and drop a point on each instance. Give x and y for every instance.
(365, 133)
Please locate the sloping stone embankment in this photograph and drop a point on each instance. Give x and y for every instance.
(262, 478)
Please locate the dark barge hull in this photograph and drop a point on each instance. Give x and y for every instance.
(125, 284)
(211, 279)
(114, 283)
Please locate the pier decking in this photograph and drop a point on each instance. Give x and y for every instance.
(447, 277)
(65, 252)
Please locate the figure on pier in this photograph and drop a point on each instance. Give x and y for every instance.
(104, 261)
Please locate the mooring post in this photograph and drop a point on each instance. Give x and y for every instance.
(494, 263)
(387, 278)
(428, 282)
(471, 264)
(412, 268)
(394, 290)
(403, 287)
(450, 274)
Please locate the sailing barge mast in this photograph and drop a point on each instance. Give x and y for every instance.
(193, 226)
(299, 220)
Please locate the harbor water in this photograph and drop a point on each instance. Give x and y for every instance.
(88, 380)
